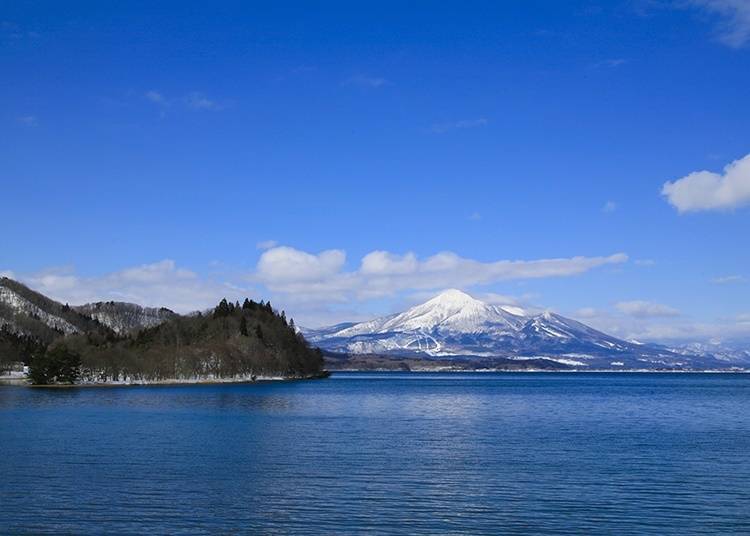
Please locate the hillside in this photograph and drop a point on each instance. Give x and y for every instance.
(127, 343)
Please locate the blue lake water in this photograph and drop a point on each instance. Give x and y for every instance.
(382, 453)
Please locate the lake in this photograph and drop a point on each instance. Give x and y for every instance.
(417, 453)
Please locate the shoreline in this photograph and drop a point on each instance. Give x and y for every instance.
(552, 371)
(24, 382)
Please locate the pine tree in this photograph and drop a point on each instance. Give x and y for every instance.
(222, 309)
(259, 332)
(243, 327)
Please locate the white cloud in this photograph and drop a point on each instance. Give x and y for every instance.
(283, 265)
(728, 279)
(734, 29)
(306, 276)
(463, 123)
(644, 262)
(266, 244)
(366, 81)
(384, 263)
(161, 284)
(7, 273)
(705, 190)
(609, 206)
(645, 309)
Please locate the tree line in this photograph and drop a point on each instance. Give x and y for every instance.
(231, 341)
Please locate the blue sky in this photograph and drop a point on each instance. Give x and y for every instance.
(174, 153)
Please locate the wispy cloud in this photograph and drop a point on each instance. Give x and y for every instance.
(12, 31)
(610, 63)
(366, 81)
(198, 101)
(474, 216)
(441, 128)
(706, 190)
(645, 309)
(609, 206)
(158, 284)
(723, 280)
(194, 100)
(665, 329)
(644, 262)
(28, 120)
(155, 96)
(733, 28)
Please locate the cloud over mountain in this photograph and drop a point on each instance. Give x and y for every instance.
(381, 273)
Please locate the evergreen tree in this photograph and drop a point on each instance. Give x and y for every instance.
(246, 305)
(259, 332)
(222, 309)
(57, 365)
(243, 327)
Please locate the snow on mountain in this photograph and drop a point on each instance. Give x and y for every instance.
(15, 303)
(451, 311)
(125, 317)
(456, 324)
(24, 311)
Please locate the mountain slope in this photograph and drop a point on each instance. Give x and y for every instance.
(26, 312)
(454, 325)
(126, 317)
(126, 342)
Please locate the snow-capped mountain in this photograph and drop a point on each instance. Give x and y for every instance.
(455, 325)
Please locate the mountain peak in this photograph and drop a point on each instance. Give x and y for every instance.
(452, 296)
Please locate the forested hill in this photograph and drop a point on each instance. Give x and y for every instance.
(233, 341)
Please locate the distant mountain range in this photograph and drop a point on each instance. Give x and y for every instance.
(454, 329)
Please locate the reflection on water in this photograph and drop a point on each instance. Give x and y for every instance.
(416, 453)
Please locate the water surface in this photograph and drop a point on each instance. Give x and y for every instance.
(390, 452)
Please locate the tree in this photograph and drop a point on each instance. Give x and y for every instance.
(222, 309)
(58, 364)
(258, 332)
(246, 305)
(243, 327)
